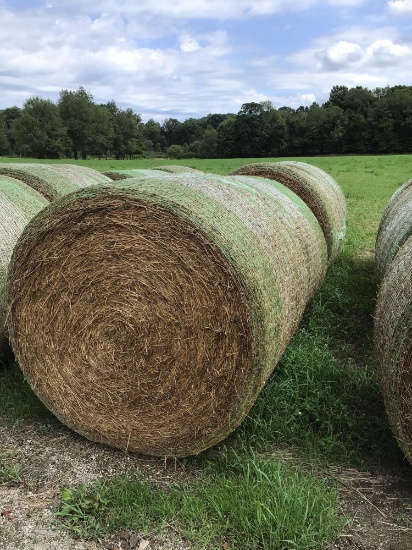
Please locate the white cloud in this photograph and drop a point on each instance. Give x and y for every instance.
(340, 54)
(188, 44)
(400, 7)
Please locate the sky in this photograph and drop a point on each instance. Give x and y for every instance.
(188, 58)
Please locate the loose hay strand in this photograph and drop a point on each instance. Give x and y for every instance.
(150, 314)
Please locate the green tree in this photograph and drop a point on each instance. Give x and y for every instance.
(226, 138)
(128, 133)
(9, 115)
(250, 132)
(39, 131)
(152, 131)
(208, 144)
(76, 110)
(175, 152)
(101, 131)
(4, 142)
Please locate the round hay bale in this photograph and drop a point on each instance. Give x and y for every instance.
(53, 180)
(18, 204)
(175, 168)
(149, 315)
(393, 342)
(394, 229)
(316, 188)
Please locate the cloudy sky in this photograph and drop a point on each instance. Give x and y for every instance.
(188, 58)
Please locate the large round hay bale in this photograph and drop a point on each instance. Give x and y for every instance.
(175, 168)
(316, 188)
(18, 204)
(149, 315)
(394, 229)
(53, 180)
(393, 342)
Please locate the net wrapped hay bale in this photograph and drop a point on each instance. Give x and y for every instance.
(316, 188)
(53, 180)
(394, 229)
(393, 343)
(149, 315)
(175, 168)
(18, 204)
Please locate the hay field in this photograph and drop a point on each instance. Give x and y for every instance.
(321, 412)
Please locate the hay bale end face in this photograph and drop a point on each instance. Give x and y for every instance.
(394, 229)
(149, 315)
(393, 343)
(19, 203)
(316, 188)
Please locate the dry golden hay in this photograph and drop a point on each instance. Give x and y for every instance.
(53, 180)
(175, 168)
(18, 204)
(316, 188)
(393, 342)
(394, 229)
(149, 315)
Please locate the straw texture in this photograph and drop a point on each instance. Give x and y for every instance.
(394, 229)
(393, 341)
(53, 180)
(18, 204)
(149, 315)
(316, 188)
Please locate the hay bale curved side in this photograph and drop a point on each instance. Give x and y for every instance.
(316, 188)
(393, 342)
(53, 180)
(149, 315)
(81, 176)
(18, 205)
(394, 229)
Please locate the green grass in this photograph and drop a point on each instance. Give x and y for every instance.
(247, 501)
(321, 406)
(10, 473)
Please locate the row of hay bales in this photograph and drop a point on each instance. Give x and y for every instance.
(148, 312)
(393, 316)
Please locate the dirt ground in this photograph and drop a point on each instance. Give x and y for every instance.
(379, 503)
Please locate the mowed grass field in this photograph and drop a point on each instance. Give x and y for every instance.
(269, 485)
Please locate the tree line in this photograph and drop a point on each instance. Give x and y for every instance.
(352, 121)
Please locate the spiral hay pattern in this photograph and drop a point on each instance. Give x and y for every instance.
(149, 315)
(54, 180)
(316, 188)
(394, 229)
(18, 204)
(393, 342)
